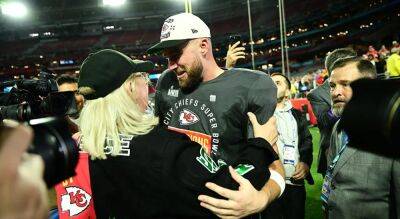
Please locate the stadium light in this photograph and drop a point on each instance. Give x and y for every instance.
(113, 3)
(14, 9)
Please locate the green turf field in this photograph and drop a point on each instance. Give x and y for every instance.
(313, 202)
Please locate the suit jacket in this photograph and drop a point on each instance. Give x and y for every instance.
(305, 141)
(320, 100)
(364, 185)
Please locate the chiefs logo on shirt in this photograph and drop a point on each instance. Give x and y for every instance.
(75, 201)
(188, 117)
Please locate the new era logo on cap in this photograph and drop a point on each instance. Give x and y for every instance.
(179, 28)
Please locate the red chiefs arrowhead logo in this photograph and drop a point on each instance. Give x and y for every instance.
(188, 117)
(75, 201)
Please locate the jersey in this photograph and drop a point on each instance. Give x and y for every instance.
(215, 113)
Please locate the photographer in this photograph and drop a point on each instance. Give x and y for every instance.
(69, 83)
(22, 189)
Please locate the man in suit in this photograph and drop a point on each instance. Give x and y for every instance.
(358, 184)
(295, 152)
(320, 100)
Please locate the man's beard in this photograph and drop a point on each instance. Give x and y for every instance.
(281, 97)
(337, 111)
(194, 76)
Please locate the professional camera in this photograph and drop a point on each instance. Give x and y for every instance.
(372, 116)
(35, 98)
(54, 144)
(30, 100)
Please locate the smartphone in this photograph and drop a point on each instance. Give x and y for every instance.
(234, 38)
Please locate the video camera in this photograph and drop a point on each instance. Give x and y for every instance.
(35, 98)
(372, 117)
(29, 100)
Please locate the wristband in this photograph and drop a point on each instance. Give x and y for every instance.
(278, 179)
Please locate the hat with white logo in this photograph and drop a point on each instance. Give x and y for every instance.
(179, 28)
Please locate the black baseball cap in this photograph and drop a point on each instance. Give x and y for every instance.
(106, 70)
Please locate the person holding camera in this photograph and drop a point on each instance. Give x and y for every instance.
(140, 169)
(197, 97)
(67, 82)
(358, 183)
(295, 151)
(23, 192)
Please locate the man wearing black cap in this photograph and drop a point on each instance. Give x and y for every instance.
(139, 169)
(196, 97)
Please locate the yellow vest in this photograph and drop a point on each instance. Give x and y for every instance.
(393, 65)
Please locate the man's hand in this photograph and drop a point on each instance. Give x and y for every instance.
(23, 192)
(234, 53)
(302, 170)
(245, 201)
(268, 131)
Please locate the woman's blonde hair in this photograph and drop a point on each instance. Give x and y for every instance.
(106, 118)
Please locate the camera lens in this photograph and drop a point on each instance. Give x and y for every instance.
(53, 142)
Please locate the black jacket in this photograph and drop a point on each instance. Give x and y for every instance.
(162, 176)
(320, 100)
(305, 141)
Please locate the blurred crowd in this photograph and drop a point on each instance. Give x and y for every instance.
(386, 60)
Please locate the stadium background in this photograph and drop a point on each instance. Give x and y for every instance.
(57, 35)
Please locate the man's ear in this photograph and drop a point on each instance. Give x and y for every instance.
(205, 46)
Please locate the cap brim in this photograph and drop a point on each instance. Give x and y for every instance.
(143, 66)
(164, 45)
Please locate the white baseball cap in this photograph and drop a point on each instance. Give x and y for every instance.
(179, 28)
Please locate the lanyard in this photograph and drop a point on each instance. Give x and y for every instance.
(344, 145)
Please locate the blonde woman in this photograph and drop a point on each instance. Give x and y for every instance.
(139, 169)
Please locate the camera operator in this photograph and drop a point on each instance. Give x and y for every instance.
(69, 83)
(356, 178)
(22, 188)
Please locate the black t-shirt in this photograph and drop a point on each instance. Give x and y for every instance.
(215, 113)
(160, 174)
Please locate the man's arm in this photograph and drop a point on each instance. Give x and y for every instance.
(247, 200)
(305, 148)
(305, 142)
